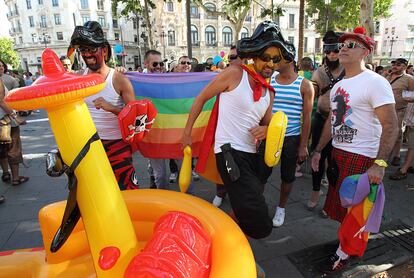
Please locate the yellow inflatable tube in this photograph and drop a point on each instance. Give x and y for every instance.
(184, 179)
(231, 252)
(274, 140)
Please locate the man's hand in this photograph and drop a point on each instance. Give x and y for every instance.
(375, 174)
(121, 70)
(315, 161)
(20, 121)
(259, 132)
(302, 153)
(186, 140)
(101, 103)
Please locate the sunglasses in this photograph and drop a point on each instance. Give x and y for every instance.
(233, 57)
(351, 45)
(89, 50)
(327, 52)
(184, 62)
(267, 59)
(155, 64)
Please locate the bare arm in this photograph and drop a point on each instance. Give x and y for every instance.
(388, 118)
(260, 132)
(323, 140)
(219, 84)
(315, 81)
(123, 87)
(307, 92)
(3, 104)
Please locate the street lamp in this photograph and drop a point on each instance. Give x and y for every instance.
(163, 35)
(392, 40)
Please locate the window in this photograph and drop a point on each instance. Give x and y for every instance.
(227, 36)
(100, 4)
(194, 36)
(393, 30)
(291, 21)
(210, 36)
(210, 7)
(317, 45)
(291, 39)
(85, 18)
(134, 23)
(305, 44)
(43, 23)
(59, 36)
(306, 22)
(135, 38)
(34, 37)
(386, 31)
(31, 21)
(102, 21)
(377, 27)
(277, 20)
(20, 40)
(29, 4)
(244, 33)
(170, 6)
(116, 36)
(194, 11)
(115, 23)
(57, 19)
(40, 2)
(84, 4)
(171, 38)
(55, 3)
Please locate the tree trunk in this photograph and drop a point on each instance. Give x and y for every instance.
(188, 20)
(365, 19)
(301, 28)
(148, 23)
(238, 24)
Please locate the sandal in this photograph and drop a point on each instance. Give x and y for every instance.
(314, 200)
(398, 175)
(324, 214)
(6, 177)
(20, 180)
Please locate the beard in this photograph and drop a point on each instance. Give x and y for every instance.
(332, 65)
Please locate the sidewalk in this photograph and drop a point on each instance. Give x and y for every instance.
(19, 226)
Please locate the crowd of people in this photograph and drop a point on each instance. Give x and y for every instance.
(344, 112)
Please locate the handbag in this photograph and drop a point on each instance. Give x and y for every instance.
(5, 130)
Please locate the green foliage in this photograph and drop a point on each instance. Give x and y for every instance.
(341, 15)
(7, 54)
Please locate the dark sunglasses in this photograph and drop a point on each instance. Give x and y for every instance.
(90, 50)
(330, 51)
(184, 62)
(267, 59)
(155, 64)
(233, 57)
(350, 45)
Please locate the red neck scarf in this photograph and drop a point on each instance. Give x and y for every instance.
(260, 82)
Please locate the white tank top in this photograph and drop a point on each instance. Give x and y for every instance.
(238, 112)
(106, 122)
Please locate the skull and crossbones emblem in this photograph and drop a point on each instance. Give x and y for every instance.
(141, 122)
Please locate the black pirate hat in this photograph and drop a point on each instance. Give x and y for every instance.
(266, 34)
(90, 34)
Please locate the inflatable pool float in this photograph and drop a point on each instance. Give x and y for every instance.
(114, 225)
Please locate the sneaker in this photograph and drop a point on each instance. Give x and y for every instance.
(196, 177)
(217, 201)
(325, 182)
(279, 217)
(298, 172)
(173, 177)
(333, 263)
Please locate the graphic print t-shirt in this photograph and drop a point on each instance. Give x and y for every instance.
(355, 127)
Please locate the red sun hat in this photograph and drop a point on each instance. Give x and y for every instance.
(359, 35)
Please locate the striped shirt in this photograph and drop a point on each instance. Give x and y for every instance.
(289, 100)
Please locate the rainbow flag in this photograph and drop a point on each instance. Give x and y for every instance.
(173, 95)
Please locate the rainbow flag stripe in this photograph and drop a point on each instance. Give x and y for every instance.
(173, 95)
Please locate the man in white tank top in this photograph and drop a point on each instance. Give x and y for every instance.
(107, 104)
(244, 112)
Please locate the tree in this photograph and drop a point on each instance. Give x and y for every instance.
(134, 9)
(366, 15)
(234, 11)
(342, 15)
(7, 54)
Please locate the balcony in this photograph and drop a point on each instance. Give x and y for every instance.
(197, 15)
(15, 30)
(214, 44)
(12, 14)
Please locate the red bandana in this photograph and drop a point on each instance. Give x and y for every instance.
(260, 82)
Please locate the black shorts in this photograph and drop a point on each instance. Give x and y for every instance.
(246, 193)
(289, 158)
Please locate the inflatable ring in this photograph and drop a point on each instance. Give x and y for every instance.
(275, 137)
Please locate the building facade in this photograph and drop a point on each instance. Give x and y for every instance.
(36, 24)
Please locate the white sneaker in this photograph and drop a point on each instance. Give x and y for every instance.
(217, 201)
(173, 177)
(279, 217)
(196, 177)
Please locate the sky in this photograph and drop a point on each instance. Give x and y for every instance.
(4, 23)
